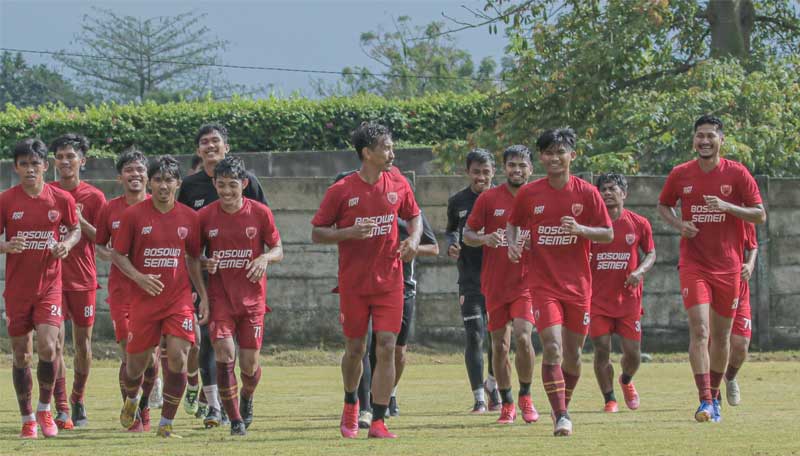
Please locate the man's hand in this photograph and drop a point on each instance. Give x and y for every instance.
(257, 268)
(204, 312)
(514, 253)
(408, 250)
(689, 230)
(150, 284)
(634, 279)
(59, 250)
(715, 204)
(15, 245)
(210, 265)
(492, 239)
(747, 272)
(361, 230)
(571, 226)
(453, 251)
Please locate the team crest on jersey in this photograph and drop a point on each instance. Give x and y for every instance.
(499, 212)
(213, 233)
(577, 209)
(630, 238)
(17, 215)
(53, 215)
(538, 210)
(687, 190)
(250, 232)
(199, 203)
(725, 190)
(183, 232)
(392, 197)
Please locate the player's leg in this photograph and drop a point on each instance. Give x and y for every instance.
(149, 378)
(354, 314)
(190, 402)
(208, 376)
(576, 327)
(400, 350)
(133, 378)
(490, 384)
(382, 378)
(156, 399)
(719, 348)
(501, 345)
(22, 349)
(738, 355)
(62, 416)
(82, 305)
(552, 375)
(603, 369)
(472, 316)
(47, 336)
(699, 358)
(365, 385)
(175, 378)
(524, 362)
(631, 359)
(225, 355)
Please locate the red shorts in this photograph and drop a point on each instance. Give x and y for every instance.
(386, 310)
(23, 314)
(742, 323)
(247, 329)
(502, 313)
(145, 334)
(572, 314)
(79, 306)
(719, 290)
(628, 327)
(122, 327)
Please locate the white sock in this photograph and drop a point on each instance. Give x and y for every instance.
(193, 387)
(212, 396)
(42, 407)
(28, 418)
(491, 383)
(394, 391)
(479, 397)
(164, 422)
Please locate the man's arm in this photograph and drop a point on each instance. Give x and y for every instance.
(755, 214)
(194, 267)
(61, 249)
(473, 239)
(87, 228)
(749, 264)
(334, 235)
(258, 267)
(103, 252)
(408, 248)
(147, 282)
(686, 229)
(636, 277)
(599, 234)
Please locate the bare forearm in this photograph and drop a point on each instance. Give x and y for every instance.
(647, 262)
(196, 274)
(123, 263)
(72, 237)
(104, 253)
(669, 216)
(415, 229)
(88, 230)
(756, 214)
(750, 258)
(471, 238)
(512, 234)
(327, 235)
(599, 234)
(428, 250)
(275, 254)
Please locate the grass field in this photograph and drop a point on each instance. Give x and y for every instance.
(298, 406)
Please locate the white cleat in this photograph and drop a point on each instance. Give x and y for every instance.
(732, 392)
(563, 427)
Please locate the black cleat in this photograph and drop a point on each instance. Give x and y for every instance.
(246, 410)
(79, 415)
(238, 428)
(393, 410)
(213, 418)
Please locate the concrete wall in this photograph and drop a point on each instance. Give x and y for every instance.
(304, 310)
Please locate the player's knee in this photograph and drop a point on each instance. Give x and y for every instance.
(551, 351)
(22, 358)
(522, 342)
(699, 333)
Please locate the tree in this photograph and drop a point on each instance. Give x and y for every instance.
(413, 61)
(26, 85)
(129, 58)
(631, 76)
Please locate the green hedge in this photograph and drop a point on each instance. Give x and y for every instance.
(254, 125)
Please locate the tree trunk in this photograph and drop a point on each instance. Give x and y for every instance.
(731, 23)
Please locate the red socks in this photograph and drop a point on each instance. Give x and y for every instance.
(703, 382)
(715, 378)
(78, 386)
(23, 385)
(249, 383)
(174, 386)
(228, 389)
(553, 382)
(570, 381)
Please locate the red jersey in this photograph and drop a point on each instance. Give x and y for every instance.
(79, 271)
(34, 271)
(717, 248)
(371, 265)
(559, 261)
(237, 239)
(107, 227)
(612, 264)
(501, 280)
(156, 243)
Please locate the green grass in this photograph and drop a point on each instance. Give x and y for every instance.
(297, 412)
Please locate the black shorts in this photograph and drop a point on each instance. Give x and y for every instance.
(473, 306)
(409, 302)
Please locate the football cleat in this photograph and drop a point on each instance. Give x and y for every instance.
(45, 421)
(704, 412)
(364, 419)
(495, 403)
(190, 401)
(393, 409)
(611, 407)
(238, 428)
(79, 415)
(563, 427)
(63, 421)
(377, 430)
(128, 413)
(165, 430)
(30, 430)
(716, 415)
(630, 394)
(246, 411)
(732, 392)
(508, 414)
(348, 425)
(479, 408)
(137, 425)
(213, 418)
(144, 417)
(529, 413)
(202, 410)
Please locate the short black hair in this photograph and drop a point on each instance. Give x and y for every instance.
(517, 150)
(708, 119)
(480, 156)
(557, 136)
(211, 128)
(231, 167)
(74, 140)
(130, 154)
(612, 178)
(367, 135)
(196, 161)
(30, 146)
(166, 165)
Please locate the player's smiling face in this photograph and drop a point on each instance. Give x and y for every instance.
(707, 141)
(230, 190)
(556, 158)
(382, 154)
(480, 176)
(163, 187)
(518, 170)
(30, 169)
(612, 195)
(69, 162)
(212, 148)
(133, 177)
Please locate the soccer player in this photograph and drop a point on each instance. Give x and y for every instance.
(359, 213)
(131, 168)
(234, 231)
(31, 214)
(504, 284)
(742, 323)
(716, 196)
(197, 191)
(617, 283)
(480, 171)
(564, 215)
(158, 248)
(78, 278)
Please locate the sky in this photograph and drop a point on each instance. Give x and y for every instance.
(305, 34)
